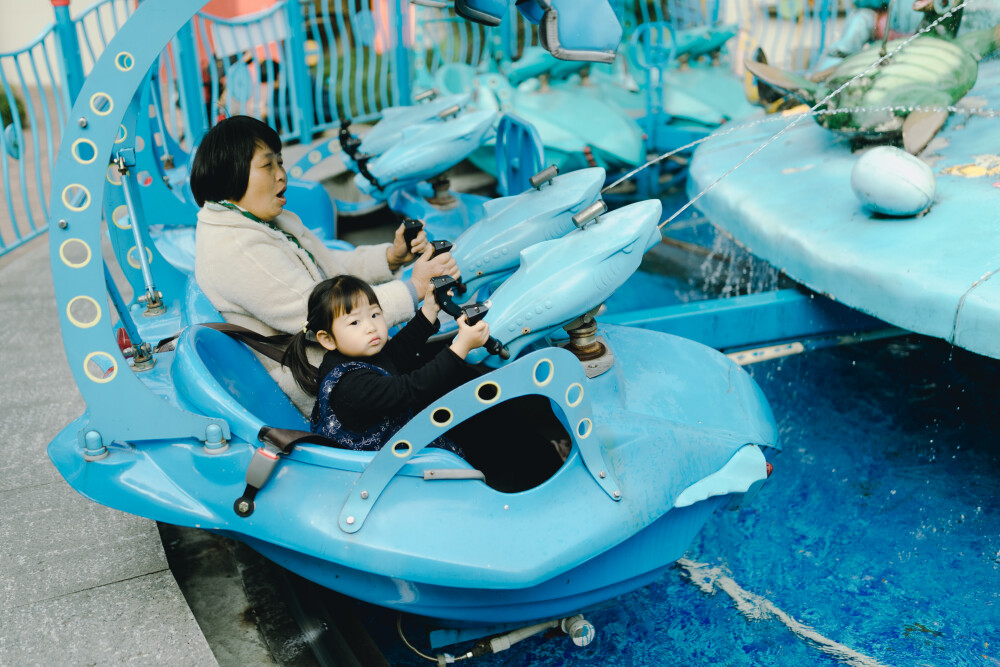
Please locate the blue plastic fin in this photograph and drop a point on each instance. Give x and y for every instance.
(519, 154)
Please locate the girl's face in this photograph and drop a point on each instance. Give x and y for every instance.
(265, 195)
(359, 333)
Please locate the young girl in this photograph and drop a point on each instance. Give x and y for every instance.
(369, 386)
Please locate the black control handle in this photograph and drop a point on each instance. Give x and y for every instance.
(361, 159)
(441, 286)
(438, 247)
(348, 142)
(411, 227)
(477, 311)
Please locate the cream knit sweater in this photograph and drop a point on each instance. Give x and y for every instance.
(257, 278)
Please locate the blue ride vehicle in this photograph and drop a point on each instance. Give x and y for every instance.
(658, 431)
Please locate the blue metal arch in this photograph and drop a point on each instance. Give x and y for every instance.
(120, 406)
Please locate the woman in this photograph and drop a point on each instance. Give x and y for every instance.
(258, 263)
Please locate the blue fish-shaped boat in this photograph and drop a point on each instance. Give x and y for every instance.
(491, 248)
(426, 150)
(388, 131)
(667, 433)
(661, 431)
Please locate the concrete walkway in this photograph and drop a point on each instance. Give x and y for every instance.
(80, 584)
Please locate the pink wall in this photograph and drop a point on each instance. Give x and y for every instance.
(231, 8)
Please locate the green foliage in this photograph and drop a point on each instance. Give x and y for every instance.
(6, 117)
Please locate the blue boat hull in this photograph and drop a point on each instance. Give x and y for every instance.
(443, 549)
(631, 565)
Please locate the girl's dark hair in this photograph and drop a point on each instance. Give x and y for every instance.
(221, 168)
(329, 300)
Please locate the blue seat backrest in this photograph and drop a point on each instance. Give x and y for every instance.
(219, 376)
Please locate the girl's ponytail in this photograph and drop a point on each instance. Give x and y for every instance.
(297, 361)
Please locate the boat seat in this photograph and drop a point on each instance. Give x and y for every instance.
(197, 309)
(575, 29)
(218, 376)
(486, 12)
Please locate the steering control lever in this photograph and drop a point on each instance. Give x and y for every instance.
(473, 312)
(348, 142)
(477, 311)
(438, 247)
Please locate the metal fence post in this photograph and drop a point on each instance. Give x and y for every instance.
(402, 81)
(189, 83)
(303, 108)
(69, 49)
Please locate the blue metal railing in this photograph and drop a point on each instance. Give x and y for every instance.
(35, 112)
(97, 24)
(304, 65)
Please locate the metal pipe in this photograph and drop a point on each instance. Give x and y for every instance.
(152, 296)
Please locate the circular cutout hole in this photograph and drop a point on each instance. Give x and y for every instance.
(140, 144)
(84, 151)
(120, 217)
(144, 178)
(114, 176)
(76, 197)
(133, 257)
(583, 427)
(488, 392)
(441, 417)
(74, 253)
(83, 311)
(122, 134)
(124, 61)
(574, 394)
(401, 448)
(101, 104)
(543, 372)
(100, 367)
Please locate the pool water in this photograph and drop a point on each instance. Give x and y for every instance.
(875, 542)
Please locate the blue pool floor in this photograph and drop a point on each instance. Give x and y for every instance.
(875, 542)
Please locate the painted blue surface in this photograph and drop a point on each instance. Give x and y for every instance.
(560, 280)
(792, 204)
(585, 30)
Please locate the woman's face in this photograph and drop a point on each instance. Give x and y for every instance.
(265, 195)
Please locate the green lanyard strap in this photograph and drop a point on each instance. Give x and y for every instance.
(267, 223)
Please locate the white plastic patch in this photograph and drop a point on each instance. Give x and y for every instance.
(740, 473)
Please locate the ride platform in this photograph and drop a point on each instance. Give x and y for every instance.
(792, 205)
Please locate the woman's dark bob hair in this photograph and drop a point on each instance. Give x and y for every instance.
(221, 168)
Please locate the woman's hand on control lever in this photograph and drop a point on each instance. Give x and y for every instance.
(426, 268)
(398, 254)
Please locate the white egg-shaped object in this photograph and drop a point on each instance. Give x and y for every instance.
(890, 181)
